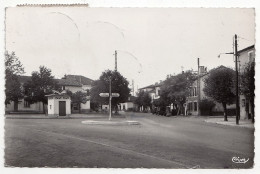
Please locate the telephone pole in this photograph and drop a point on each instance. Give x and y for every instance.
(237, 95)
(110, 98)
(115, 60)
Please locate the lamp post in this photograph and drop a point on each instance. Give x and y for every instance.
(236, 69)
(110, 98)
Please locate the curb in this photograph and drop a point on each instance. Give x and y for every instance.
(232, 125)
(91, 122)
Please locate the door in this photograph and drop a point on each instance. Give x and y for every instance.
(62, 108)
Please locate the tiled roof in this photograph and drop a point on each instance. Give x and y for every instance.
(80, 79)
(68, 82)
(152, 86)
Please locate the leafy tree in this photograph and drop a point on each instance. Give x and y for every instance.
(119, 84)
(175, 89)
(13, 68)
(206, 106)
(219, 85)
(42, 83)
(78, 97)
(248, 85)
(143, 99)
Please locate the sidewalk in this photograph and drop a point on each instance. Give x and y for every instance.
(231, 122)
(43, 116)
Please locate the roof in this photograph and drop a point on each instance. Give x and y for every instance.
(152, 91)
(81, 79)
(53, 95)
(247, 48)
(152, 86)
(68, 82)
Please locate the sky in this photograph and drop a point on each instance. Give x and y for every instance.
(150, 42)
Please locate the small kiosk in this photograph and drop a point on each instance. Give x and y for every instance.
(59, 105)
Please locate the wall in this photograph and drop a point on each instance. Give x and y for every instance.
(73, 88)
(84, 107)
(51, 107)
(56, 106)
(243, 61)
(33, 107)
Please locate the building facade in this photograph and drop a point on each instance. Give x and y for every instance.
(245, 56)
(196, 95)
(73, 83)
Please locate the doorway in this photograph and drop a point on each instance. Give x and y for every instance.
(62, 108)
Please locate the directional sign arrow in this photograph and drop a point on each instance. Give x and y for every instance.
(115, 94)
(104, 94)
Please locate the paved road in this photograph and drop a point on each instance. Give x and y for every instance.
(159, 142)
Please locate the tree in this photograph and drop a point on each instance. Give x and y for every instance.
(41, 84)
(206, 106)
(219, 85)
(143, 99)
(119, 84)
(175, 89)
(78, 97)
(13, 68)
(248, 85)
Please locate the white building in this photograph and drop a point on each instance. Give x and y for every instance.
(245, 56)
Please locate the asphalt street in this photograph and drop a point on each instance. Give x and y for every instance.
(158, 142)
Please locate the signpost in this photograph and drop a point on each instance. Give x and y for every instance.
(110, 98)
(104, 94)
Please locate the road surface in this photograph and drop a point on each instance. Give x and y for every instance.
(159, 142)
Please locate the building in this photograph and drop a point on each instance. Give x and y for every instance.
(129, 105)
(76, 83)
(23, 105)
(73, 83)
(153, 90)
(245, 56)
(194, 96)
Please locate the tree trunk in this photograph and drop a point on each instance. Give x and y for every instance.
(43, 108)
(225, 111)
(116, 110)
(79, 108)
(16, 105)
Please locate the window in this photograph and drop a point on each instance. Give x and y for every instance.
(50, 106)
(195, 91)
(26, 104)
(195, 106)
(190, 106)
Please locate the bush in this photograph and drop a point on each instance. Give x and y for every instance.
(206, 106)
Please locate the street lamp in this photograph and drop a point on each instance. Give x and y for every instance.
(237, 96)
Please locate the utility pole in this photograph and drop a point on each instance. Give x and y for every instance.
(237, 96)
(198, 87)
(115, 60)
(133, 87)
(110, 97)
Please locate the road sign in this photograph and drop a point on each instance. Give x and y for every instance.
(104, 94)
(115, 95)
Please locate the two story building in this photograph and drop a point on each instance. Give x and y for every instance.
(192, 107)
(245, 56)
